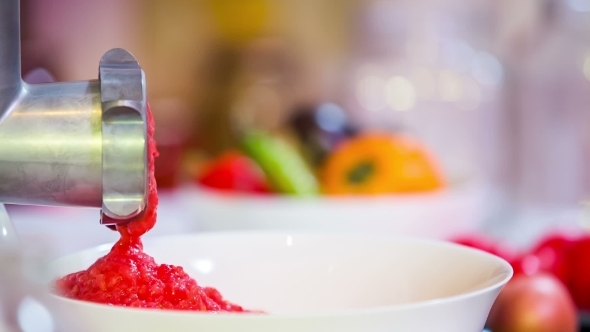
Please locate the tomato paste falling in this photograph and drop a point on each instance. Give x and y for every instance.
(127, 276)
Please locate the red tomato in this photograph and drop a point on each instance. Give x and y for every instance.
(578, 277)
(233, 171)
(551, 254)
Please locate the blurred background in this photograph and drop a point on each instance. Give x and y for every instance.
(498, 91)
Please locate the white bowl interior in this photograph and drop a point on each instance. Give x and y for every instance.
(299, 273)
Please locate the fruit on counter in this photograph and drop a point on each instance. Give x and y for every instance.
(379, 163)
(234, 171)
(320, 128)
(282, 164)
(564, 256)
(367, 163)
(551, 254)
(538, 303)
(578, 273)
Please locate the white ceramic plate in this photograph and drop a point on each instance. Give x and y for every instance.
(436, 215)
(311, 283)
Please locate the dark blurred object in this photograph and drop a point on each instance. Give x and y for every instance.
(214, 133)
(238, 24)
(172, 134)
(168, 165)
(585, 322)
(320, 128)
(249, 88)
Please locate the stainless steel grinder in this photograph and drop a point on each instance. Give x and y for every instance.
(72, 143)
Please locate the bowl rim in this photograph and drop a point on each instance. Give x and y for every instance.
(508, 274)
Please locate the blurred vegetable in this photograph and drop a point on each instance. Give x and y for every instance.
(377, 163)
(538, 303)
(234, 172)
(320, 128)
(285, 169)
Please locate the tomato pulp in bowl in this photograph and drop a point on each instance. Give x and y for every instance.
(312, 282)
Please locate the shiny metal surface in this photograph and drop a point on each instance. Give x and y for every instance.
(124, 152)
(8, 236)
(51, 146)
(74, 143)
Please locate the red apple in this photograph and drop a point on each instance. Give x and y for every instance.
(538, 303)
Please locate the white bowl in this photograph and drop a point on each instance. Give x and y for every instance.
(311, 283)
(436, 215)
